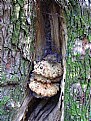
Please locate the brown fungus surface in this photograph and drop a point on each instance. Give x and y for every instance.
(44, 90)
(43, 79)
(48, 70)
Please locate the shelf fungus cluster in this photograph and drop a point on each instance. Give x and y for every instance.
(45, 78)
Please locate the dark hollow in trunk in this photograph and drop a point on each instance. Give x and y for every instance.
(48, 33)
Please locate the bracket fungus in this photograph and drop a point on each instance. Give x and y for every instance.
(45, 78)
(48, 70)
(44, 90)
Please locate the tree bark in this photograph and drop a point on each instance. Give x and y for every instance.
(16, 46)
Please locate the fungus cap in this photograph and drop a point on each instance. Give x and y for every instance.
(44, 90)
(48, 70)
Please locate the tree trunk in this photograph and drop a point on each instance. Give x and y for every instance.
(16, 45)
(50, 27)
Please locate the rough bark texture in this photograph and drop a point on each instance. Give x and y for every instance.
(15, 53)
